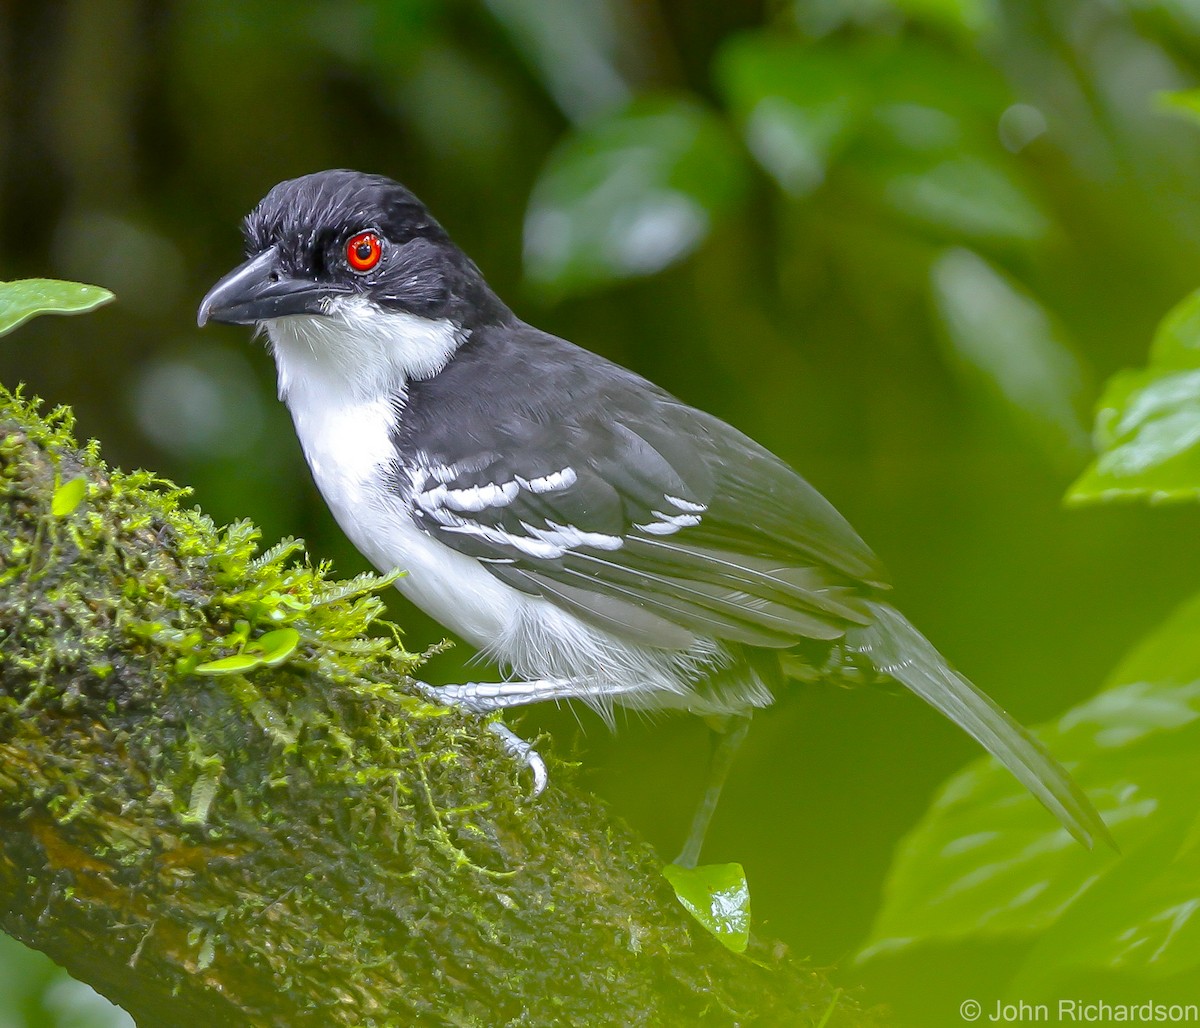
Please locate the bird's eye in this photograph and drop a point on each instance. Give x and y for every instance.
(363, 251)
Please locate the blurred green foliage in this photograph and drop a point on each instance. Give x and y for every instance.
(983, 862)
(898, 241)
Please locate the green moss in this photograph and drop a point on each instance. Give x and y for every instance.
(197, 623)
(246, 593)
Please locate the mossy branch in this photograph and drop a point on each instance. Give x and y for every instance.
(221, 802)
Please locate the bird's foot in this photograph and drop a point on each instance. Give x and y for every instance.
(523, 751)
(514, 745)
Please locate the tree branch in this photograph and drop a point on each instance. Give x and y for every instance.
(211, 828)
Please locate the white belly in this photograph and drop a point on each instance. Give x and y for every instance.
(349, 449)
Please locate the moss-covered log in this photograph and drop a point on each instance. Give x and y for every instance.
(222, 802)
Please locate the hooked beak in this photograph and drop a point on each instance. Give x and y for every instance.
(259, 290)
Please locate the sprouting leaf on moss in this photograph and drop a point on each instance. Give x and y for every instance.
(718, 897)
(278, 553)
(27, 298)
(67, 496)
(275, 647)
(987, 862)
(237, 664)
(268, 650)
(1147, 429)
(352, 588)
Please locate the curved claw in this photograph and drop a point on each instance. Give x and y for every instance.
(524, 752)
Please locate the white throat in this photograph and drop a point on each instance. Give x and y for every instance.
(344, 377)
(356, 352)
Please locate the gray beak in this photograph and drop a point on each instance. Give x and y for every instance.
(259, 290)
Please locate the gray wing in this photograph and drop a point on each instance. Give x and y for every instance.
(643, 516)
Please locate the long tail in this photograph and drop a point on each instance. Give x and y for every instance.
(898, 650)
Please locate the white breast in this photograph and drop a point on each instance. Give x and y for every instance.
(343, 377)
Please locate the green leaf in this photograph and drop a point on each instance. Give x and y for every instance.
(971, 17)
(1177, 340)
(275, 647)
(238, 664)
(797, 105)
(1147, 430)
(986, 861)
(717, 896)
(68, 496)
(630, 194)
(1182, 102)
(29, 297)
(1006, 339)
(1142, 917)
(967, 196)
(1148, 434)
(267, 650)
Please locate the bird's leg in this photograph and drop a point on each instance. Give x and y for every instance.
(463, 696)
(484, 697)
(728, 735)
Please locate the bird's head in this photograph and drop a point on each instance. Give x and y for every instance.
(356, 266)
(314, 242)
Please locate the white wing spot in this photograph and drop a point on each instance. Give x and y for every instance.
(568, 537)
(476, 498)
(686, 505)
(546, 544)
(669, 524)
(441, 503)
(563, 479)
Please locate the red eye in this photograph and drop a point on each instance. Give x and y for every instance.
(363, 251)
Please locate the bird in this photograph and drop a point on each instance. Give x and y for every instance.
(596, 537)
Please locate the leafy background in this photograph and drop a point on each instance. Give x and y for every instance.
(904, 243)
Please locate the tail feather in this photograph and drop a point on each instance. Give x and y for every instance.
(898, 650)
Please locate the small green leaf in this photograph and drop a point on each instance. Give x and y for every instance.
(717, 896)
(204, 791)
(68, 496)
(275, 647)
(208, 952)
(235, 665)
(1148, 434)
(630, 194)
(1147, 429)
(29, 297)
